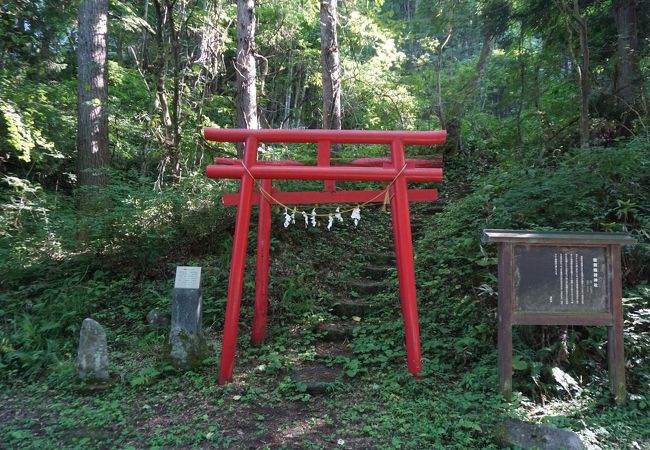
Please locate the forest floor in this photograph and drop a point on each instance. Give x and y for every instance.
(260, 408)
(375, 402)
(188, 411)
(264, 408)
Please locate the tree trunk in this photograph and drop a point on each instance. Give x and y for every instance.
(168, 40)
(246, 67)
(331, 69)
(145, 53)
(174, 150)
(522, 81)
(579, 23)
(627, 80)
(92, 93)
(287, 96)
(452, 121)
(468, 96)
(585, 82)
(481, 66)
(161, 104)
(438, 107)
(541, 115)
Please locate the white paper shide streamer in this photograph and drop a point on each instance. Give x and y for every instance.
(312, 218)
(338, 215)
(356, 215)
(287, 218)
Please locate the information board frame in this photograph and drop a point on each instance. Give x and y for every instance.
(509, 242)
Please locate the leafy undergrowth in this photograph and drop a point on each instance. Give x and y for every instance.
(560, 374)
(151, 405)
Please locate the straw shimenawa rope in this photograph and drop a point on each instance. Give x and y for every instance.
(272, 199)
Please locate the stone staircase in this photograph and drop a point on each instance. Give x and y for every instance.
(336, 335)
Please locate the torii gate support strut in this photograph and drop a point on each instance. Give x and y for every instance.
(397, 170)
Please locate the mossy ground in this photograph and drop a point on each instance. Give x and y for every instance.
(152, 405)
(377, 404)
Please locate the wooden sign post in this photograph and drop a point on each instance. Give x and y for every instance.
(560, 278)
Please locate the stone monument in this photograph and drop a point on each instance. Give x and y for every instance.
(187, 345)
(92, 359)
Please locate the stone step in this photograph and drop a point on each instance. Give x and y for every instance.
(336, 331)
(427, 209)
(418, 230)
(329, 350)
(378, 272)
(351, 307)
(317, 377)
(367, 287)
(380, 258)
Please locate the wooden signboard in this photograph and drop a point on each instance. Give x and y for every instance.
(560, 278)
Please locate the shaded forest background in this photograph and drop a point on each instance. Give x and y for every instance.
(545, 102)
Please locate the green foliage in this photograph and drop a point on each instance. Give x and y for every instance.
(38, 320)
(375, 95)
(130, 133)
(570, 197)
(560, 193)
(44, 303)
(145, 376)
(515, 168)
(37, 126)
(20, 140)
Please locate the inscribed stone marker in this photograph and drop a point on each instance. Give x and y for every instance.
(186, 341)
(187, 299)
(188, 277)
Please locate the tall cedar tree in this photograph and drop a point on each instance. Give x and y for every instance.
(246, 67)
(627, 75)
(331, 73)
(92, 93)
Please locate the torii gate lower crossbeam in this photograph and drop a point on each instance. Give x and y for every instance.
(398, 170)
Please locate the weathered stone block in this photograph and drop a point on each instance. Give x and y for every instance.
(382, 272)
(187, 350)
(386, 258)
(187, 313)
(368, 287)
(336, 331)
(158, 319)
(317, 378)
(92, 358)
(349, 308)
(536, 436)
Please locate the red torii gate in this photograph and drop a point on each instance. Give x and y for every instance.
(396, 170)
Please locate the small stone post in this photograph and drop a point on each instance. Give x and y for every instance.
(92, 359)
(187, 345)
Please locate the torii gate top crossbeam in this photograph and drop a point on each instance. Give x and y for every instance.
(333, 136)
(323, 170)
